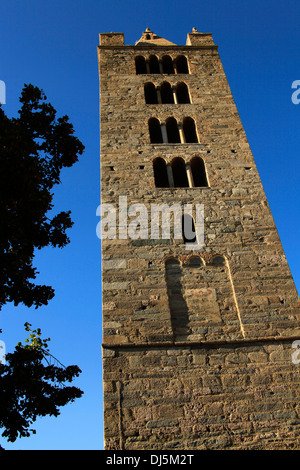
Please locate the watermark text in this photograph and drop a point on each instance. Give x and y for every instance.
(156, 222)
(2, 92)
(296, 93)
(296, 354)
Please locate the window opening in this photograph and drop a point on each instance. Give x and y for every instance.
(182, 93)
(179, 173)
(198, 172)
(172, 131)
(154, 64)
(160, 173)
(189, 130)
(166, 93)
(155, 131)
(150, 93)
(167, 64)
(181, 64)
(140, 65)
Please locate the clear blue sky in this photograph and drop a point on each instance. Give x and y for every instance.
(52, 44)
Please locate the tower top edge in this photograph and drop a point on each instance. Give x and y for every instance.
(151, 39)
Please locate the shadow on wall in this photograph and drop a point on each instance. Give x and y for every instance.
(201, 299)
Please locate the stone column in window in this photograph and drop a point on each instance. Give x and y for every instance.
(164, 132)
(147, 66)
(170, 176)
(158, 95)
(174, 95)
(181, 133)
(189, 175)
(161, 69)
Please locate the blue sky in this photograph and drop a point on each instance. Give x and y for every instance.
(52, 44)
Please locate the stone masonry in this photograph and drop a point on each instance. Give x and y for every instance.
(197, 344)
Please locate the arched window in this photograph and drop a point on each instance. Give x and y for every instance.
(189, 130)
(140, 65)
(160, 173)
(179, 173)
(218, 260)
(181, 64)
(172, 262)
(155, 131)
(200, 298)
(198, 172)
(172, 131)
(166, 93)
(182, 93)
(195, 261)
(188, 229)
(167, 64)
(150, 93)
(178, 306)
(153, 64)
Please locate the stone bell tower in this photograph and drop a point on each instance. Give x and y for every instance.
(198, 335)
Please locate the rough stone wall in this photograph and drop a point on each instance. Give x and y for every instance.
(169, 332)
(222, 397)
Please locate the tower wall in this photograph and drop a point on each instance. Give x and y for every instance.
(194, 355)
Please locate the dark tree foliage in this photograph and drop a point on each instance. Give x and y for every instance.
(32, 384)
(33, 150)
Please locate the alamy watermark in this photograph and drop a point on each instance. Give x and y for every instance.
(296, 354)
(159, 221)
(2, 92)
(296, 94)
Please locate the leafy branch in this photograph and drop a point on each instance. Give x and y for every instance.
(29, 389)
